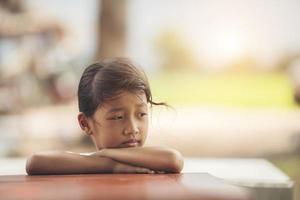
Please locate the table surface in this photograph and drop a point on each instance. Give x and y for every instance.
(259, 172)
(120, 186)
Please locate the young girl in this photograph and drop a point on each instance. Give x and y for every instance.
(113, 96)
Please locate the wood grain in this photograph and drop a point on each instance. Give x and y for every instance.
(200, 186)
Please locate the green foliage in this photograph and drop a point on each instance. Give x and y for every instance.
(289, 164)
(231, 90)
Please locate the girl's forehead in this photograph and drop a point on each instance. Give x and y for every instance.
(126, 99)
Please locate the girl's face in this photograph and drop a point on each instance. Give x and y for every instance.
(121, 122)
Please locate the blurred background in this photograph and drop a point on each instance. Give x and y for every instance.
(229, 68)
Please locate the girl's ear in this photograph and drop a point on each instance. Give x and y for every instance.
(83, 123)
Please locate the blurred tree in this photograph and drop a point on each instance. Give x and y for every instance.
(293, 71)
(285, 60)
(290, 63)
(244, 64)
(176, 55)
(111, 29)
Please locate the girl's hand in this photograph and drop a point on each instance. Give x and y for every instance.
(121, 167)
(159, 159)
(124, 168)
(100, 153)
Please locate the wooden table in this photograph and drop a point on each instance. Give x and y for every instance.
(120, 186)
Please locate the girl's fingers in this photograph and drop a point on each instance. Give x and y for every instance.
(144, 170)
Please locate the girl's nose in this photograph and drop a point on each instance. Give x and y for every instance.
(131, 128)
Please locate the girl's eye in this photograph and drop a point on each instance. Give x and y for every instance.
(116, 118)
(143, 114)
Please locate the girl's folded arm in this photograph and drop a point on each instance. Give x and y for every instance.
(56, 162)
(155, 158)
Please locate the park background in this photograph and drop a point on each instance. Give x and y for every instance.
(230, 70)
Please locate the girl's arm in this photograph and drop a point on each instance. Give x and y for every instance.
(54, 162)
(155, 158)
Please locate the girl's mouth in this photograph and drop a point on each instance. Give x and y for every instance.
(130, 143)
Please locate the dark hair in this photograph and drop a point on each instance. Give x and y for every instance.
(105, 79)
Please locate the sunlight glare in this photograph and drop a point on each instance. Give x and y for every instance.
(224, 46)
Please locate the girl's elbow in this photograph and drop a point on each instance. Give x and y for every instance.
(31, 164)
(176, 162)
(35, 164)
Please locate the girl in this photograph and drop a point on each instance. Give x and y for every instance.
(113, 97)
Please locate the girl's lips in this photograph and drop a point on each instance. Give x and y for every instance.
(131, 143)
